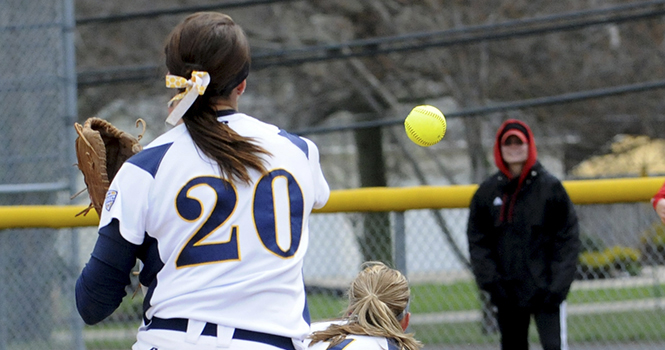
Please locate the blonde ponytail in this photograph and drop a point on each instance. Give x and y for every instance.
(377, 297)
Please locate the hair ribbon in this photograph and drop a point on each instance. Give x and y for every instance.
(194, 87)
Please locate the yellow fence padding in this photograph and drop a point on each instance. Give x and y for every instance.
(53, 216)
(373, 199)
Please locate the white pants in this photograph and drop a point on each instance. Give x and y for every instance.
(159, 339)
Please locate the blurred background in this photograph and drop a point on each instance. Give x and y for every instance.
(587, 76)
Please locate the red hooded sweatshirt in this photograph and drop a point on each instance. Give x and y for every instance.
(523, 131)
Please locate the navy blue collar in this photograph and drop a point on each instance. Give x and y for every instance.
(226, 112)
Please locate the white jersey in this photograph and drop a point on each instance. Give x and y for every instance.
(357, 342)
(215, 251)
(352, 342)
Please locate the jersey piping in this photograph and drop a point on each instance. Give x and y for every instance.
(296, 141)
(150, 159)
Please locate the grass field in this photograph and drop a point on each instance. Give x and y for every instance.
(644, 326)
(463, 296)
(429, 298)
(639, 325)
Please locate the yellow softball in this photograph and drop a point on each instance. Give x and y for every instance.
(425, 125)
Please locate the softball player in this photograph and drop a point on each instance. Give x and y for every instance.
(377, 315)
(216, 209)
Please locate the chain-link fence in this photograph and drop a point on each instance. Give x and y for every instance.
(37, 100)
(616, 300)
(617, 297)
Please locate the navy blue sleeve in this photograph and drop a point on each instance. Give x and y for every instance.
(101, 285)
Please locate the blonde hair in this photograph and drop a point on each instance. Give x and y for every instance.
(378, 300)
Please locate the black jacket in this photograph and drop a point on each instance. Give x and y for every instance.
(529, 257)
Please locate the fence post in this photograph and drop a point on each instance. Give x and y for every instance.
(3, 299)
(399, 245)
(70, 117)
(76, 324)
(656, 286)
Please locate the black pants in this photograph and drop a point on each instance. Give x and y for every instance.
(514, 326)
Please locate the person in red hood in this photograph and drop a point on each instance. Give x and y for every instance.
(523, 237)
(658, 202)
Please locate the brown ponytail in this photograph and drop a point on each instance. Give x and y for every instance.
(212, 42)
